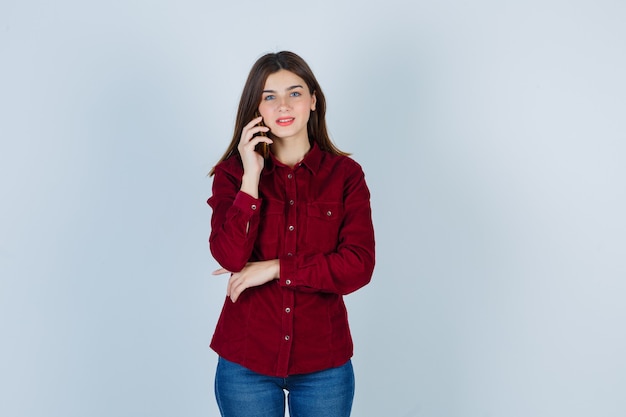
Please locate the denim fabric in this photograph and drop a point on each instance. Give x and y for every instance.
(241, 392)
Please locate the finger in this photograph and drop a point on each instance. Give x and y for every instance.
(238, 286)
(249, 134)
(231, 284)
(234, 295)
(258, 139)
(253, 122)
(220, 271)
(249, 147)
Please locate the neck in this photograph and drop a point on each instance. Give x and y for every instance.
(290, 152)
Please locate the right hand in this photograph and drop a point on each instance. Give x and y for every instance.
(252, 275)
(252, 161)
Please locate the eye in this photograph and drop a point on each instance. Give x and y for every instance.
(268, 97)
(295, 94)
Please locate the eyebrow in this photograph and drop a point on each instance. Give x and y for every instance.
(293, 87)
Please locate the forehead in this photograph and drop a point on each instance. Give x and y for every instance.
(283, 80)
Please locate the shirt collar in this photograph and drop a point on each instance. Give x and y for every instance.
(312, 160)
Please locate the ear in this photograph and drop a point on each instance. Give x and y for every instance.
(313, 101)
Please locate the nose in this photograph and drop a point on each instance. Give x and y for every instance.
(283, 104)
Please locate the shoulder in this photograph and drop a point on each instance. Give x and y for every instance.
(231, 166)
(341, 163)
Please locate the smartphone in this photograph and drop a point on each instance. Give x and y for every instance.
(262, 148)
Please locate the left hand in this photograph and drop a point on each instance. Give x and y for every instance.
(252, 275)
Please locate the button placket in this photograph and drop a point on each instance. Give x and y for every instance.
(291, 220)
(289, 249)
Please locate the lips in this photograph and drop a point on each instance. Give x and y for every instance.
(285, 121)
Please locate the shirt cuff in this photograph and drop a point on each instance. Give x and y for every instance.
(247, 204)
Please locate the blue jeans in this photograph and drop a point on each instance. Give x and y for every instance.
(243, 393)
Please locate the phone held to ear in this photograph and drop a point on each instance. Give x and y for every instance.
(262, 148)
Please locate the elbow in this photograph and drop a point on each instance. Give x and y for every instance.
(225, 258)
(360, 279)
(359, 272)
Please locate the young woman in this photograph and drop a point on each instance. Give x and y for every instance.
(294, 231)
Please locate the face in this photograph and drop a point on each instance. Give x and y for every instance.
(285, 105)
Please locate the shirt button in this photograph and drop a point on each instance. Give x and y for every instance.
(287, 310)
(290, 176)
(329, 213)
(287, 337)
(291, 228)
(288, 282)
(290, 254)
(291, 202)
(253, 207)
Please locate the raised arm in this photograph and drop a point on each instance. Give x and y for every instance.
(235, 202)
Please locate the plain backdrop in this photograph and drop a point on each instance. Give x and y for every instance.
(492, 134)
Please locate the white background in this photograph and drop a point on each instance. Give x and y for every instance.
(492, 134)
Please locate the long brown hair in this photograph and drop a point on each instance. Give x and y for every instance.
(253, 90)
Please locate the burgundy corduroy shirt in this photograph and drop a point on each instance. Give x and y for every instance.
(316, 219)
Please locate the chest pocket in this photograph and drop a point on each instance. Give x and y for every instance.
(271, 223)
(323, 221)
